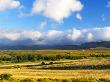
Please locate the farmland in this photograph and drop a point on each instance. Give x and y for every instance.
(55, 65)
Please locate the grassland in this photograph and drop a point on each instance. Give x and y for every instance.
(55, 65)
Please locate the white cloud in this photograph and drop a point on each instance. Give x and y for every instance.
(74, 34)
(56, 9)
(9, 4)
(54, 33)
(71, 36)
(10, 35)
(90, 37)
(78, 16)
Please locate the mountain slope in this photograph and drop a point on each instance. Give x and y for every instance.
(66, 47)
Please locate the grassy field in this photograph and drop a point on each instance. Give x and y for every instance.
(55, 65)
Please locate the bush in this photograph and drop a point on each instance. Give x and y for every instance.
(104, 80)
(85, 80)
(58, 57)
(39, 80)
(5, 76)
(50, 62)
(64, 80)
(43, 63)
(39, 57)
(26, 80)
(22, 58)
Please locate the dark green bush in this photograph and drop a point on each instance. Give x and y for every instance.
(64, 80)
(50, 62)
(39, 57)
(39, 80)
(5, 76)
(104, 80)
(43, 63)
(26, 80)
(23, 58)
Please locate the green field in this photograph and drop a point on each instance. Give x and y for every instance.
(55, 65)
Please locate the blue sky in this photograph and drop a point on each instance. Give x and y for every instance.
(58, 16)
(91, 13)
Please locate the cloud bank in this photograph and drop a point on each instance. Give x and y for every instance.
(9, 4)
(57, 9)
(55, 37)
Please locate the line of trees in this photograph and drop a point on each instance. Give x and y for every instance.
(31, 57)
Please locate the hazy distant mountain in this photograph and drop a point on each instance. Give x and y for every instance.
(95, 44)
(67, 47)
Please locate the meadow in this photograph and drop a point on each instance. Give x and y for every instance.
(92, 65)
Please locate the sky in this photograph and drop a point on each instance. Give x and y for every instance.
(54, 22)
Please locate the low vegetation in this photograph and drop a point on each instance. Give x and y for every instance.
(55, 65)
(57, 80)
(48, 55)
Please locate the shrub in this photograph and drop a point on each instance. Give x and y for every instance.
(39, 57)
(43, 63)
(50, 62)
(26, 80)
(64, 80)
(84, 80)
(22, 58)
(30, 57)
(104, 80)
(5, 76)
(58, 57)
(39, 80)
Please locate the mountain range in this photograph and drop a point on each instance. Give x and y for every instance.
(89, 45)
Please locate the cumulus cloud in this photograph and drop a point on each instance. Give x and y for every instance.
(52, 37)
(19, 35)
(74, 34)
(56, 9)
(90, 37)
(9, 4)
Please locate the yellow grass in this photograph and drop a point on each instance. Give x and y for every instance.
(23, 72)
(62, 74)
